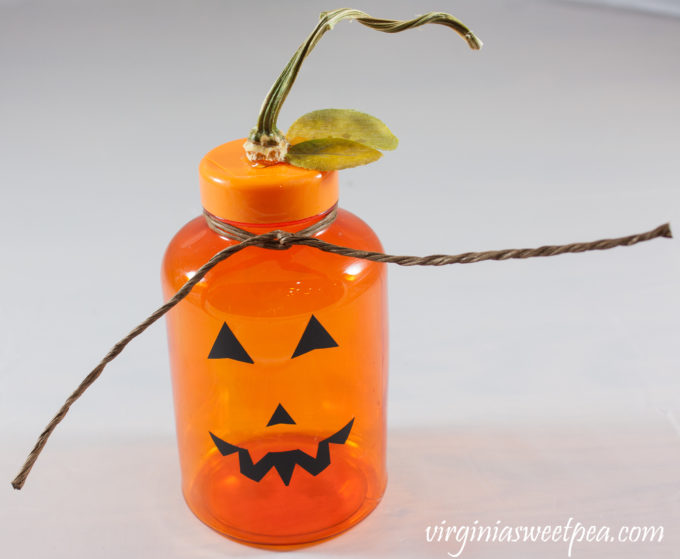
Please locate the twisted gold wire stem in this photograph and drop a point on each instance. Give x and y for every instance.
(266, 133)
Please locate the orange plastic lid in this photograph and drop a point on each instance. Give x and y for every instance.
(235, 189)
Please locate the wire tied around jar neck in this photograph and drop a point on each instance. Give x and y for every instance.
(281, 240)
(230, 231)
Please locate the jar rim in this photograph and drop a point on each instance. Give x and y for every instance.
(237, 190)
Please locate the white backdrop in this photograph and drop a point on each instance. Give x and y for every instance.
(526, 392)
(664, 7)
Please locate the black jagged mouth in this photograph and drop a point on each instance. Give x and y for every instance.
(284, 462)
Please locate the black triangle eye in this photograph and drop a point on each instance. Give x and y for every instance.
(314, 337)
(226, 346)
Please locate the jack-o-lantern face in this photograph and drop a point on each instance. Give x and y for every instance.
(314, 337)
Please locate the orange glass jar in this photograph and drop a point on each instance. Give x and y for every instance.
(279, 359)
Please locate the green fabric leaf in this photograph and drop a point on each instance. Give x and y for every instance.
(330, 154)
(342, 123)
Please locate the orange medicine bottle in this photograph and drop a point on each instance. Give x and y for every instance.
(279, 359)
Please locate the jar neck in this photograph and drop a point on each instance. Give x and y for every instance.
(260, 228)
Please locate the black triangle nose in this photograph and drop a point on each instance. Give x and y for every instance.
(280, 415)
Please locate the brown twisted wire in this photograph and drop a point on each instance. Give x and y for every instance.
(282, 240)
